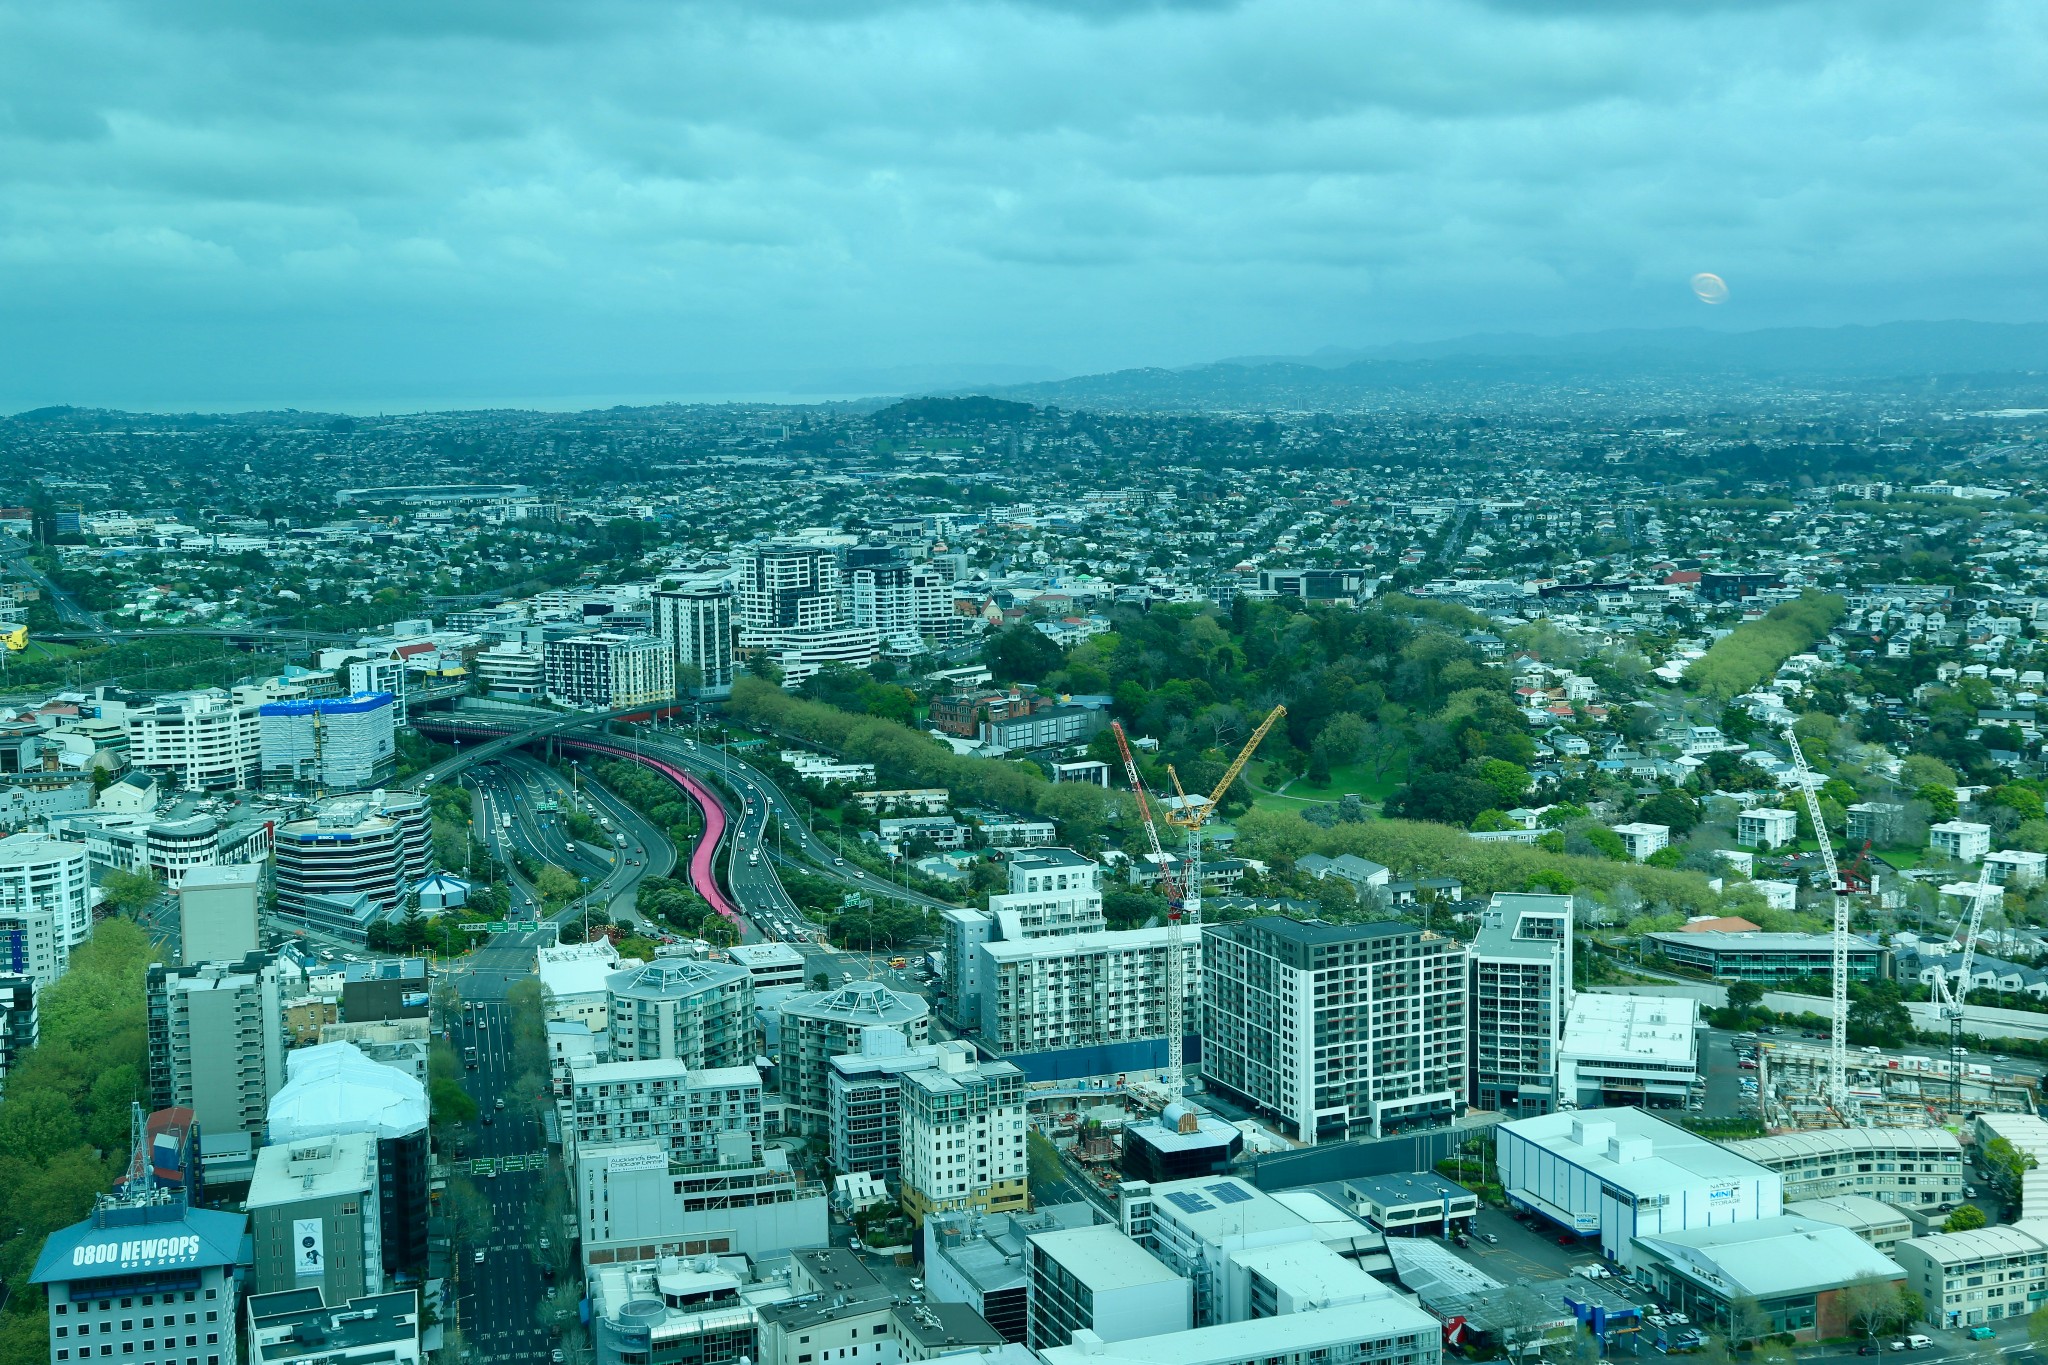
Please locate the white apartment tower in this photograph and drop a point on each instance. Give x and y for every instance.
(608, 670)
(963, 1137)
(1521, 997)
(199, 740)
(1084, 990)
(695, 622)
(45, 905)
(1351, 1030)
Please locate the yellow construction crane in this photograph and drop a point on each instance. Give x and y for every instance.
(1190, 817)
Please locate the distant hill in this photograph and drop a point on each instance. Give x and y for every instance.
(969, 410)
(1905, 351)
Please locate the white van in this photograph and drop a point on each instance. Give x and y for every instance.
(1916, 1342)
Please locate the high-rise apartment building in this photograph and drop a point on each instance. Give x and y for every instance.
(198, 740)
(817, 1026)
(18, 1028)
(45, 905)
(699, 1118)
(1521, 997)
(608, 670)
(792, 585)
(884, 599)
(217, 1041)
(218, 913)
(680, 1009)
(1084, 990)
(695, 622)
(332, 744)
(963, 1137)
(1337, 1030)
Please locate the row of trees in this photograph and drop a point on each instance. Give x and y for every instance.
(1752, 652)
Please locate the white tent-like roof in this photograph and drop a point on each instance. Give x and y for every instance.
(334, 1088)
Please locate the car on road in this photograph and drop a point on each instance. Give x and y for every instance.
(487, 1118)
(479, 1258)
(1489, 1239)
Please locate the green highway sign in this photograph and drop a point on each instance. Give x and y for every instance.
(496, 926)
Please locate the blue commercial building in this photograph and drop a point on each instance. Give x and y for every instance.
(146, 1280)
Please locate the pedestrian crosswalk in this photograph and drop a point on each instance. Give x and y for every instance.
(502, 1165)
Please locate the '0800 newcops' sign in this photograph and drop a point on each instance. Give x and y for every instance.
(137, 1253)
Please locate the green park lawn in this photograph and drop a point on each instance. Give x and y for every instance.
(1352, 777)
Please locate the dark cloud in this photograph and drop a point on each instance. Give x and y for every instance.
(342, 202)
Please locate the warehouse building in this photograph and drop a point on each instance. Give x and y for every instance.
(1621, 1174)
(1767, 1275)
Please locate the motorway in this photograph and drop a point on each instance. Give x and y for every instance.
(512, 792)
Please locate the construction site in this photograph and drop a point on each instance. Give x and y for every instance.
(1803, 1086)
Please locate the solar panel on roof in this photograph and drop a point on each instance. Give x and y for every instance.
(1228, 1194)
(1189, 1202)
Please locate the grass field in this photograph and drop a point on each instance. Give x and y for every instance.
(1352, 777)
(39, 651)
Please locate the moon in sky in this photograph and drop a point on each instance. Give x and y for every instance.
(1710, 288)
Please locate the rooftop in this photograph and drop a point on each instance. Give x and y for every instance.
(313, 1168)
(1103, 1258)
(1633, 1149)
(1260, 1337)
(1638, 1027)
(857, 1002)
(1769, 1258)
(1214, 1207)
(1764, 942)
(1829, 1141)
(675, 978)
(2028, 1237)
(287, 1327)
(124, 1242)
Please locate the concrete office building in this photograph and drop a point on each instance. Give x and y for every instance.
(45, 905)
(1335, 1030)
(605, 670)
(706, 1117)
(1768, 958)
(1085, 990)
(1882, 1225)
(1097, 1279)
(217, 1041)
(314, 1214)
(1628, 1049)
(334, 1089)
(1981, 1276)
(816, 1026)
(769, 964)
(979, 1260)
(682, 1009)
(512, 668)
(1624, 1174)
(802, 654)
(963, 1137)
(354, 860)
(329, 744)
(218, 910)
(636, 1205)
(695, 623)
(577, 978)
(146, 1279)
(1916, 1167)
(293, 1327)
(680, 1312)
(1521, 995)
(200, 741)
(1388, 1331)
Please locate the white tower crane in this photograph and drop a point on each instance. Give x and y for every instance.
(1951, 990)
(1838, 1045)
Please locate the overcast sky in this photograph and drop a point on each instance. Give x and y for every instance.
(360, 203)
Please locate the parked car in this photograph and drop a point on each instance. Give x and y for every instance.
(1489, 1239)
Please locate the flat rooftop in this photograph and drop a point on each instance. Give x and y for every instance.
(1642, 1028)
(1774, 1257)
(1212, 1207)
(1103, 1258)
(1675, 1159)
(1834, 1141)
(1261, 1337)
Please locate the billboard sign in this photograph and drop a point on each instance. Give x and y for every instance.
(309, 1247)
